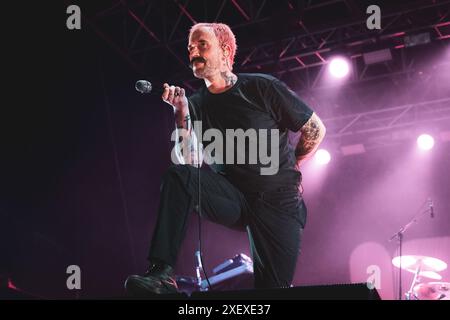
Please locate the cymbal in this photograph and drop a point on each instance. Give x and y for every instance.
(432, 291)
(429, 266)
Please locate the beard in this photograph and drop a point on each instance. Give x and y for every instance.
(203, 68)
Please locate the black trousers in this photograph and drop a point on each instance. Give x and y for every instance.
(273, 220)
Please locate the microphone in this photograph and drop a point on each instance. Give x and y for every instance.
(430, 206)
(145, 87)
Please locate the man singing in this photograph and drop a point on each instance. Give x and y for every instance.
(269, 207)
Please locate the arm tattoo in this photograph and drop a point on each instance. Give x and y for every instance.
(186, 144)
(183, 122)
(187, 122)
(310, 138)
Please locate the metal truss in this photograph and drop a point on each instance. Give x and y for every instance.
(388, 118)
(286, 38)
(389, 126)
(294, 40)
(387, 112)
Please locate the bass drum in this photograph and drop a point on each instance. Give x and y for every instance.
(432, 291)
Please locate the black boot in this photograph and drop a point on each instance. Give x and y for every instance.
(159, 279)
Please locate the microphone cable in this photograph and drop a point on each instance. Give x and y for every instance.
(199, 210)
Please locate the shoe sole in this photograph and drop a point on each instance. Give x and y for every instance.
(136, 288)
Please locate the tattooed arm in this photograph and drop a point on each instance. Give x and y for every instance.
(183, 119)
(313, 133)
(185, 149)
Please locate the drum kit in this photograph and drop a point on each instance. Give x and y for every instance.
(424, 267)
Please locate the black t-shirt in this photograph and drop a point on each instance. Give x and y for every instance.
(256, 101)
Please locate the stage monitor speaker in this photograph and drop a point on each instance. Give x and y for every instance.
(356, 291)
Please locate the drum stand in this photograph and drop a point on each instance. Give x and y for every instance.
(410, 294)
(399, 236)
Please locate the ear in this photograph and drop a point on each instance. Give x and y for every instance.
(226, 50)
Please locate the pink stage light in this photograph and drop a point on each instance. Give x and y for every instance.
(322, 157)
(425, 142)
(339, 67)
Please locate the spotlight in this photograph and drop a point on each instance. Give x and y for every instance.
(425, 142)
(339, 67)
(322, 156)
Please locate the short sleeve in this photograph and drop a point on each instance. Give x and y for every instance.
(286, 107)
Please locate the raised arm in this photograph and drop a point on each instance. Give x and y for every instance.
(185, 150)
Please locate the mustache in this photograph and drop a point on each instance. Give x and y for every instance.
(199, 59)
